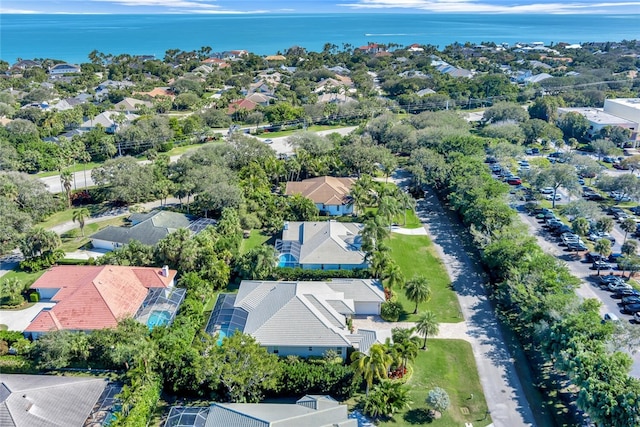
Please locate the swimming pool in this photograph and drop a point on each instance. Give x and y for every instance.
(221, 335)
(158, 318)
(287, 260)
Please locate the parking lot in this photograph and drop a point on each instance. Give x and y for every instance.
(556, 236)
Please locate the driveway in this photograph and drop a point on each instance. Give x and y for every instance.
(18, 320)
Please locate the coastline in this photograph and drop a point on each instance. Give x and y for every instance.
(74, 36)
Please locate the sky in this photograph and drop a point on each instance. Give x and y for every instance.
(318, 6)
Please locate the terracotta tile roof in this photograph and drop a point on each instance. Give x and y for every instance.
(95, 297)
(241, 103)
(324, 189)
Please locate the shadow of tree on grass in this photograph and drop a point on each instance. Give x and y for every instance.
(418, 416)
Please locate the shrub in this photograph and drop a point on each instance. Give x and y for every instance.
(298, 377)
(391, 311)
(34, 297)
(438, 399)
(287, 273)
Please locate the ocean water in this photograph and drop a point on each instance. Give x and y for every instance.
(72, 37)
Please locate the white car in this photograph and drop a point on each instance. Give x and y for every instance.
(552, 197)
(614, 286)
(546, 190)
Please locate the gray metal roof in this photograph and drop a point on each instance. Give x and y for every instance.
(361, 290)
(293, 313)
(326, 242)
(47, 401)
(148, 228)
(310, 411)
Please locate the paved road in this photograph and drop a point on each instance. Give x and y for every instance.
(496, 366)
(502, 388)
(83, 179)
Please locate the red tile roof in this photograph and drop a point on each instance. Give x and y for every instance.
(239, 104)
(323, 189)
(95, 297)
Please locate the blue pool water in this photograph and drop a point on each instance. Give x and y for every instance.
(287, 260)
(221, 335)
(158, 318)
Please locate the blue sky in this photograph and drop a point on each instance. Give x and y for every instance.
(316, 6)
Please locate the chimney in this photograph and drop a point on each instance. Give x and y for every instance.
(165, 271)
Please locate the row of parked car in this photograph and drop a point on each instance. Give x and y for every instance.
(629, 297)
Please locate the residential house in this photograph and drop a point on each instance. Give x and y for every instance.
(60, 69)
(372, 48)
(24, 64)
(299, 318)
(49, 400)
(425, 92)
(537, 78)
(415, 48)
(102, 90)
(241, 104)
(216, 62)
(109, 120)
(335, 98)
(158, 91)
(330, 194)
(321, 245)
(275, 58)
(309, 411)
(91, 297)
(447, 68)
(235, 54)
(131, 105)
(147, 228)
(339, 69)
(260, 98)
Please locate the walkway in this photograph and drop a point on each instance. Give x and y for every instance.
(18, 320)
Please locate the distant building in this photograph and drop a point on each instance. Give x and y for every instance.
(60, 69)
(622, 112)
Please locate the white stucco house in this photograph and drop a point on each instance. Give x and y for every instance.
(328, 193)
(300, 318)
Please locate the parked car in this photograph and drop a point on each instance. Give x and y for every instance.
(631, 309)
(621, 293)
(635, 210)
(546, 190)
(609, 159)
(610, 317)
(617, 285)
(631, 299)
(594, 197)
(620, 166)
(528, 152)
(577, 246)
(601, 235)
(601, 265)
(268, 141)
(535, 150)
(552, 197)
(610, 278)
(514, 180)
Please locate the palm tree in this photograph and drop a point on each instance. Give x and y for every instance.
(380, 261)
(393, 275)
(66, 177)
(628, 226)
(386, 398)
(373, 234)
(388, 208)
(418, 291)
(603, 247)
(427, 325)
(372, 366)
(407, 202)
(407, 350)
(80, 215)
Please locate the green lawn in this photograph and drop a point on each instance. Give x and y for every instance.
(26, 278)
(72, 240)
(415, 255)
(78, 167)
(448, 364)
(67, 215)
(256, 238)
